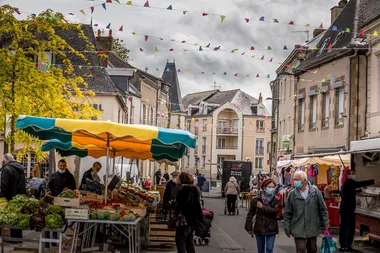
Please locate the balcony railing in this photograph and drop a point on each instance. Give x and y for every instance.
(259, 150)
(226, 147)
(203, 149)
(260, 130)
(227, 130)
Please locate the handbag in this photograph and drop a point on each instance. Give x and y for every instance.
(328, 244)
(177, 221)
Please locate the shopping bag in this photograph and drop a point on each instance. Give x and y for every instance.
(328, 244)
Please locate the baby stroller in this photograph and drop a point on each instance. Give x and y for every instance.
(236, 206)
(203, 233)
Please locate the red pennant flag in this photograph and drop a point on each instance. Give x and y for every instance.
(178, 70)
(330, 46)
(66, 21)
(71, 13)
(204, 14)
(171, 49)
(271, 59)
(91, 67)
(262, 58)
(184, 41)
(92, 9)
(243, 53)
(202, 73)
(146, 37)
(208, 45)
(236, 74)
(109, 1)
(321, 26)
(257, 75)
(146, 4)
(288, 65)
(302, 48)
(121, 28)
(96, 25)
(18, 12)
(252, 48)
(247, 20)
(291, 23)
(141, 49)
(361, 31)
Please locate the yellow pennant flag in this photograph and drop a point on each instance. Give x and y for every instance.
(82, 11)
(156, 49)
(129, 3)
(26, 27)
(222, 18)
(315, 47)
(315, 72)
(196, 44)
(190, 70)
(375, 33)
(135, 70)
(133, 33)
(253, 56)
(307, 25)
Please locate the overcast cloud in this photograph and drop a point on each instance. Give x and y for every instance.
(192, 27)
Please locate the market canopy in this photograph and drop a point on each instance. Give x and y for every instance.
(93, 138)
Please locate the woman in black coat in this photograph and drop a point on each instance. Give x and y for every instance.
(265, 206)
(188, 205)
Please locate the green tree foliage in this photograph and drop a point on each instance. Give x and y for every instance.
(120, 49)
(29, 84)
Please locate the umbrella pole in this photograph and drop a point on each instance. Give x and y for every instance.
(113, 166)
(130, 169)
(107, 172)
(121, 169)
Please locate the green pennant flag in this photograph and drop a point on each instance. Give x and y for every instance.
(275, 20)
(323, 80)
(348, 30)
(269, 48)
(268, 76)
(184, 12)
(117, 1)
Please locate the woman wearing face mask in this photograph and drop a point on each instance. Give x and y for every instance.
(265, 207)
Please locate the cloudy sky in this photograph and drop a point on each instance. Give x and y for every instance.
(193, 27)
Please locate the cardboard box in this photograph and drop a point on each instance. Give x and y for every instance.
(24, 250)
(76, 213)
(66, 202)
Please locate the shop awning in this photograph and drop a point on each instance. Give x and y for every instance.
(369, 145)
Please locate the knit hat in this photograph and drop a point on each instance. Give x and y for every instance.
(175, 173)
(266, 182)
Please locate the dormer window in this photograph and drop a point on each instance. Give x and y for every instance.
(189, 109)
(205, 111)
(325, 44)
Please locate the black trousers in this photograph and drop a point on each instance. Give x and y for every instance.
(16, 233)
(184, 239)
(347, 229)
(231, 203)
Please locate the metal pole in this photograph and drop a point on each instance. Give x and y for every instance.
(107, 172)
(121, 169)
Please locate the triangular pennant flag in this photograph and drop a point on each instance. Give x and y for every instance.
(133, 33)
(170, 7)
(18, 12)
(104, 6)
(233, 50)
(285, 48)
(141, 49)
(225, 73)
(129, 3)
(257, 75)
(117, 1)
(208, 45)
(348, 30)
(252, 48)
(135, 70)
(82, 11)
(307, 25)
(262, 18)
(178, 70)
(72, 14)
(321, 26)
(243, 53)
(275, 20)
(196, 44)
(315, 72)
(204, 14)
(375, 33)
(146, 4)
(213, 73)
(334, 28)
(323, 80)
(96, 25)
(184, 41)
(269, 48)
(247, 20)
(291, 23)
(201, 72)
(330, 46)
(315, 47)
(236, 74)
(109, 1)
(156, 49)
(216, 48)
(171, 49)
(247, 75)
(268, 76)
(146, 37)
(253, 56)
(108, 26)
(167, 70)
(184, 12)
(200, 49)
(222, 18)
(262, 58)
(271, 59)
(121, 28)
(92, 9)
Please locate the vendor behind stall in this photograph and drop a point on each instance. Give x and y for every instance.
(171, 190)
(61, 180)
(91, 174)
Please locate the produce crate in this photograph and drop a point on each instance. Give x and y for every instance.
(76, 214)
(160, 237)
(136, 210)
(66, 202)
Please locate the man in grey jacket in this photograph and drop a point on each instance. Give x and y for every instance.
(304, 211)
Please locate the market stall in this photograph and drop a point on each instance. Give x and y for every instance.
(122, 206)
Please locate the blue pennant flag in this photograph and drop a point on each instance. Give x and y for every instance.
(167, 70)
(225, 73)
(262, 18)
(335, 28)
(200, 49)
(104, 6)
(170, 7)
(285, 48)
(108, 26)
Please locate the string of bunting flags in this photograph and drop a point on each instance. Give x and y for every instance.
(261, 19)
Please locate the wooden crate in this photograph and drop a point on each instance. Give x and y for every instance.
(66, 202)
(160, 237)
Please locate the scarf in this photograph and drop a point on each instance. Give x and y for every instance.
(266, 199)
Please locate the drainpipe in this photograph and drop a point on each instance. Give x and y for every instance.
(349, 101)
(357, 99)
(157, 106)
(366, 94)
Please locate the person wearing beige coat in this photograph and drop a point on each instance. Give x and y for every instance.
(232, 191)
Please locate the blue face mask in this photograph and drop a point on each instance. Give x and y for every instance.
(297, 184)
(269, 191)
(353, 177)
(174, 180)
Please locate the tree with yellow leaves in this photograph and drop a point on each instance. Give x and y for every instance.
(30, 84)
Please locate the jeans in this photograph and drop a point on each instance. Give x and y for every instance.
(184, 239)
(265, 243)
(306, 245)
(231, 203)
(347, 230)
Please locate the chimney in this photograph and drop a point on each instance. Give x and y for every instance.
(336, 10)
(260, 98)
(104, 43)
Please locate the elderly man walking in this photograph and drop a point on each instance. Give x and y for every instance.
(304, 211)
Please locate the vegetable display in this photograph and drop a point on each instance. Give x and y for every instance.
(54, 221)
(105, 215)
(68, 194)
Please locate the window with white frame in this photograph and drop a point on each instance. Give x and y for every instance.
(325, 108)
(151, 116)
(204, 139)
(301, 114)
(260, 125)
(144, 114)
(259, 163)
(221, 143)
(203, 162)
(204, 125)
(339, 106)
(313, 112)
(196, 127)
(188, 161)
(132, 114)
(259, 146)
